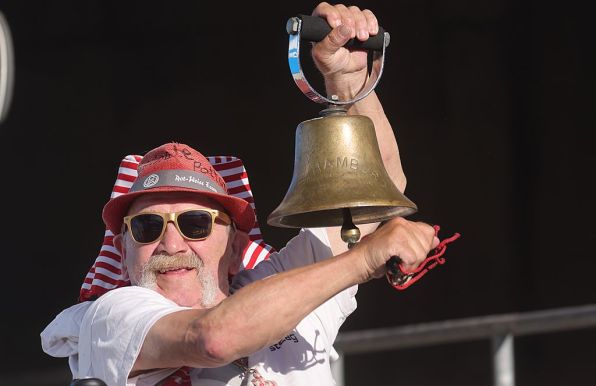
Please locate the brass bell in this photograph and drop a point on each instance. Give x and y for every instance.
(339, 177)
(338, 174)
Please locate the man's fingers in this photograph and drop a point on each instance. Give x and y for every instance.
(418, 239)
(347, 18)
(338, 17)
(426, 235)
(329, 13)
(360, 23)
(347, 23)
(435, 243)
(335, 40)
(411, 259)
(371, 21)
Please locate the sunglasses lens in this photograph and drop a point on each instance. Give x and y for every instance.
(195, 224)
(146, 228)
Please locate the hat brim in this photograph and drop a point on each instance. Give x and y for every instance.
(239, 210)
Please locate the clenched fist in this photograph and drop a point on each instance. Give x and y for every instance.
(411, 241)
(344, 70)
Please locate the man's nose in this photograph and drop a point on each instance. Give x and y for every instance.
(172, 241)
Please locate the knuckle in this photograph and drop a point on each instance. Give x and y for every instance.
(370, 18)
(335, 40)
(426, 228)
(398, 225)
(320, 7)
(401, 221)
(358, 16)
(369, 15)
(410, 262)
(430, 231)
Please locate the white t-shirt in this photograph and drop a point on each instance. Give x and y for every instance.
(103, 338)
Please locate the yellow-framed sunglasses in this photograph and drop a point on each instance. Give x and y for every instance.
(193, 224)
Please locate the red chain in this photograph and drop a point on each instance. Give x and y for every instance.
(429, 263)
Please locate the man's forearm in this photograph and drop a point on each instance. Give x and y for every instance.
(262, 312)
(254, 317)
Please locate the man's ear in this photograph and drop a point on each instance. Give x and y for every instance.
(240, 240)
(118, 242)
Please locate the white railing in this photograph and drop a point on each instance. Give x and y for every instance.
(501, 329)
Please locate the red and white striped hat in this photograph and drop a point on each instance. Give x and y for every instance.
(176, 167)
(106, 272)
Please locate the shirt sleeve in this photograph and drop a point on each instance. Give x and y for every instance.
(113, 331)
(309, 246)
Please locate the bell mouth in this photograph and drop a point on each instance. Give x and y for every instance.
(335, 216)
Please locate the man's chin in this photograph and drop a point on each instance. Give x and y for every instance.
(186, 287)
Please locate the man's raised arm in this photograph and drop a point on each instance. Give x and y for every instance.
(345, 74)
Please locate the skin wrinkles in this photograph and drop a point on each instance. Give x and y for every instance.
(210, 261)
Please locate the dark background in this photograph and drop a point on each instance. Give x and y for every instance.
(492, 103)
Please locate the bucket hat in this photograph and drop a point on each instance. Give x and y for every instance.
(176, 167)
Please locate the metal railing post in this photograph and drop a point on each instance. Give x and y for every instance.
(503, 360)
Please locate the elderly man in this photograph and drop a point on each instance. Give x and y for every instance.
(181, 236)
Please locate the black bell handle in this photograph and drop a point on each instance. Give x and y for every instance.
(393, 266)
(314, 29)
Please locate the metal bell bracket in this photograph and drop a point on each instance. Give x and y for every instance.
(315, 29)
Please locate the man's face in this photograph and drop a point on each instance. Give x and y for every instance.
(190, 273)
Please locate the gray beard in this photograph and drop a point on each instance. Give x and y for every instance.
(162, 263)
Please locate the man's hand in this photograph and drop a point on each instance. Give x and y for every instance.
(411, 241)
(344, 70)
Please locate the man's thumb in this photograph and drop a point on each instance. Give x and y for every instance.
(336, 39)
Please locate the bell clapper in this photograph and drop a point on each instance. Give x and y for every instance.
(350, 233)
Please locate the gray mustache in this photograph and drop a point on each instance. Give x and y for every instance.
(163, 263)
